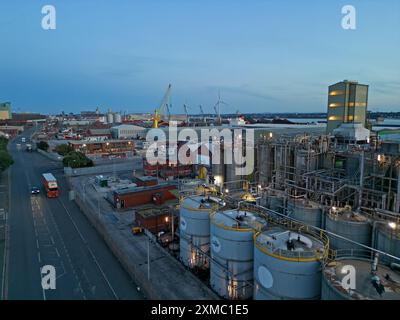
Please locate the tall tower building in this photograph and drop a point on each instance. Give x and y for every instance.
(5, 111)
(347, 103)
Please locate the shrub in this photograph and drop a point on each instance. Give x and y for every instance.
(43, 145)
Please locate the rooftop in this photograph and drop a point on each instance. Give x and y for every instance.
(364, 288)
(239, 219)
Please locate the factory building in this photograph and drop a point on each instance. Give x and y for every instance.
(127, 131)
(104, 148)
(5, 111)
(347, 103)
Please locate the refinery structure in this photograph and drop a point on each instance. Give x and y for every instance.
(319, 201)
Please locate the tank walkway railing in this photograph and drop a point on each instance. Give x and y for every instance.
(363, 254)
(274, 218)
(300, 256)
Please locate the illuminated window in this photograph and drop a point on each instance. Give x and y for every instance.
(357, 104)
(335, 105)
(350, 118)
(334, 118)
(336, 93)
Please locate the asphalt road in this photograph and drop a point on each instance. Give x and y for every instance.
(54, 232)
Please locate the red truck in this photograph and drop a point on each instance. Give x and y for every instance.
(50, 184)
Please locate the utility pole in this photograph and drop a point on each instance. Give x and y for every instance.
(148, 259)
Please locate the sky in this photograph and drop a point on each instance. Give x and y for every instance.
(262, 56)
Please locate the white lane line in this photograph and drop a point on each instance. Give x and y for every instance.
(39, 257)
(91, 252)
(37, 244)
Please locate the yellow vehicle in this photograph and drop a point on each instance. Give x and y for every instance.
(137, 230)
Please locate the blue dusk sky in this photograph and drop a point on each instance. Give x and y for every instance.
(263, 56)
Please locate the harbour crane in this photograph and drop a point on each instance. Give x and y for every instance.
(163, 112)
(186, 107)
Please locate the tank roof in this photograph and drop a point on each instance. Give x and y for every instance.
(278, 240)
(239, 219)
(201, 202)
(304, 203)
(347, 215)
(365, 289)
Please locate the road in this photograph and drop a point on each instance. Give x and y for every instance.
(54, 232)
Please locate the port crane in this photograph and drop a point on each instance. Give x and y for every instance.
(186, 107)
(163, 111)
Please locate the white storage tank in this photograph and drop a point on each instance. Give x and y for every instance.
(387, 239)
(349, 224)
(231, 267)
(287, 264)
(117, 117)
(384, 284)
(110, 117)
(194, 229)
(305, 211)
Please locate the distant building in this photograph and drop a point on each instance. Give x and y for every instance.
(347, 103)
(104, 148)
(5, 111)
(127, 131)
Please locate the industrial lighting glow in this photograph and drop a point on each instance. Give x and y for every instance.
(334, 208)
(380, 158)
(392, 225)
(226, 190)
(259, 186)
(270, 134)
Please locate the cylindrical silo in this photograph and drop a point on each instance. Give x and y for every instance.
(275, 201)
(350, 225)
(352, 278)
(194, 230)
(305, 211)
(117, 117)
(231, 267)
(110, 117)
(387, 239)
(287, 265)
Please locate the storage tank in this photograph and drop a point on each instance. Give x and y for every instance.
(349, 224)
(117, 117)
(194, 230)
(231, 267)
(334, 272)
(305, 211)
(387, 239)
(275, 201)
(110, 117)
(287, 264)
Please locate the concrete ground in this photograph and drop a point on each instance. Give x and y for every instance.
(167, 279)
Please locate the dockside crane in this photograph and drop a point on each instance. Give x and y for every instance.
(163, 112)
(186, 107)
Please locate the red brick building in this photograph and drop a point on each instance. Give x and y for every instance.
(137, 196)
(107, 147)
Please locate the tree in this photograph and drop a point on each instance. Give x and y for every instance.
(5, 160)
(64, 149)
(43, 145)
(76, 159)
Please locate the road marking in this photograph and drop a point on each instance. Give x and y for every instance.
(39, 258)
(91, 252)
(6, 257)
